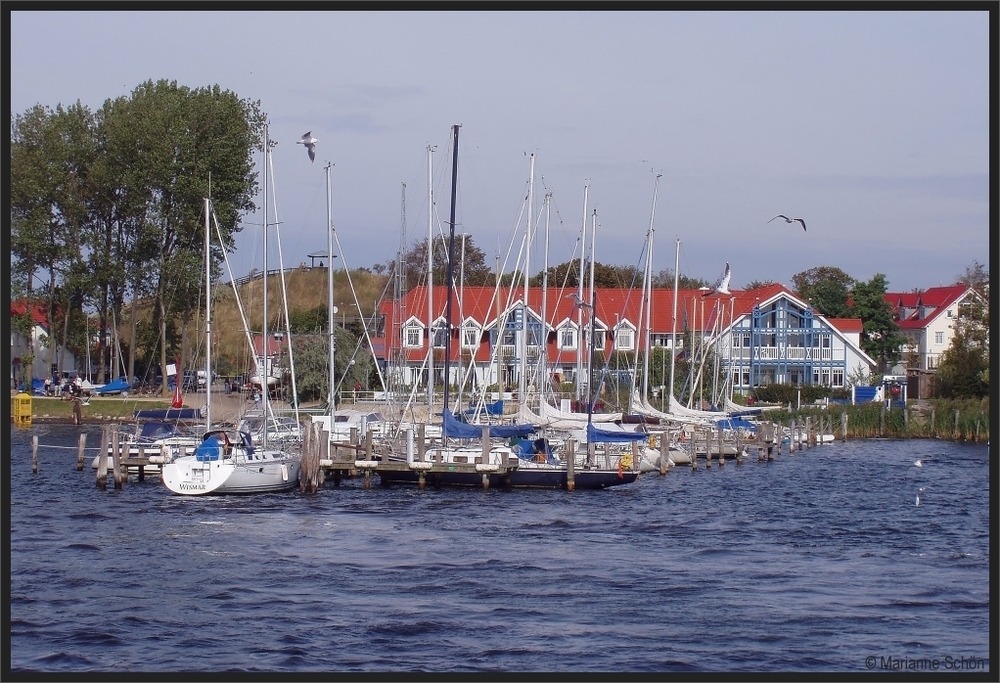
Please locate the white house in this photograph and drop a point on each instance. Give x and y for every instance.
(49, 358)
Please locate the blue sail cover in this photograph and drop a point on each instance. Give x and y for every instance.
(454, 429)
(168, 414)
(595, 435)
(489, 409)
(736, 423)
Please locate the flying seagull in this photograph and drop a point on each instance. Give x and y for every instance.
(721, 285)
(310, 142)
(791, 220)
(577, 301)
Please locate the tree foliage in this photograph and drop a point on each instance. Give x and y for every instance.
(108, 206)
(826, 289)
(880, 335)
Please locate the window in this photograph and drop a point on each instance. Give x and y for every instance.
(440, 337)
(470, 337)
(567, 338)
(412, 337)
(623, 339)
(838, 378)
(746, 378)
(939, 337)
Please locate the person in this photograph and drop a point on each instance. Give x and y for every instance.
(229, 386)
(256, 399)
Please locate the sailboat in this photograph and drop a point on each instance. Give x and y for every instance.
(227, 461)
(527, 464)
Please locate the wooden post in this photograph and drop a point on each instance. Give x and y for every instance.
(793, 437)
(486, 447)
(142, 458)
(421, 443)
(119, 466)
(722, 449)
(354, 436)
(77, 411)
(80, 449)
(843, 426)
(664, 452)
(570, 464)
(932, 422)
(955, 431)
(810, 433)
(34, 454)
(102, 459)
(881, 421)
(693, 447)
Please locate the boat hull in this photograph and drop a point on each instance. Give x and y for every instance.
(189, 476)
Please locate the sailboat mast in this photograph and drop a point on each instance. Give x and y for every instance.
(579, 294)
(265, 370)
(523, 350)
(330, 326)
(648, 289)
(673, 328)
(543, 358)
(430, 278)
(451, 265)
(208, 321)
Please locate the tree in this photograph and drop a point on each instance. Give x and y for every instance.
(826, 289)
(757, 284)
(476, 271)
(665, 280)
(977, 277)
(964, 370)
(880, 335)
(605, 276)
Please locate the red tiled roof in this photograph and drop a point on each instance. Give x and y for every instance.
(847, 325)
(37, 312)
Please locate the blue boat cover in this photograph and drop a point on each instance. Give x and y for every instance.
(455, 429)
(120, 384)
(595, 435)
(736, 423)
(538, 450)
(209, 449)
(495, 408)
(168, 414)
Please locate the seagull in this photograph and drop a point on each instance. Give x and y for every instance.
(721, 285)
(919, 491)
(310, 142)
(791, 220)
(577, 301)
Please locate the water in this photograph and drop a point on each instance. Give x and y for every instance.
(814, 562)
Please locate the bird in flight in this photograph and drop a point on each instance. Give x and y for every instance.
(791, 220)
(310, 142)
(721, 285)
(577, 301)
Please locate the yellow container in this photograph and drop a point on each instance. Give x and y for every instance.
(21, 410)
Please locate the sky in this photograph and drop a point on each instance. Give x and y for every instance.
(873, 127)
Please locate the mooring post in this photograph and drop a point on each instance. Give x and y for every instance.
(843, 426)
(421, 445)
(34, 454)
(570, 464)
(80, 449)
(119, 466)
(664, 452)
(485, 455)
(722, 449)
(142, 459)
(102, 459)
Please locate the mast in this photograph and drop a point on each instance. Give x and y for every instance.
(330, 326)
(451, 265)
(265, 370)
(673, 328)
(430, 278)
(208, 322)
(648, 289)
(461, 323)
(579, 294)
(543, 359)
(523, 350)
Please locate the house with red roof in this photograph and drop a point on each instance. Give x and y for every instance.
(928, 319)
(761, 336)
(49, 358)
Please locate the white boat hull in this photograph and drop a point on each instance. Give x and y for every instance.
(261, 472)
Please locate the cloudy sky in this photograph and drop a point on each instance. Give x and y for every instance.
(871, 126)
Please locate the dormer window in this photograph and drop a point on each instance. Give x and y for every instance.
(624, 339)
(567, 338)
(413, 336)
(470, 337)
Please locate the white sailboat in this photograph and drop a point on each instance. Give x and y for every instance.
(227, 461)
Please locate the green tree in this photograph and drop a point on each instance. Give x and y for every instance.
(665, 280)
(880, 335)
(826, 289)
(476, 271)
(757, 284)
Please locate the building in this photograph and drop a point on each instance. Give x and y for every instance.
(927, 319)
(47, 359)
(761, 336)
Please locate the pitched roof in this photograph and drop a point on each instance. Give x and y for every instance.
(37, 312)
(926, 306)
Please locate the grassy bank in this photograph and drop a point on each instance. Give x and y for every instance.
(99, 408)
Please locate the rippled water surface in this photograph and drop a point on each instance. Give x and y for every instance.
(819, 561)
